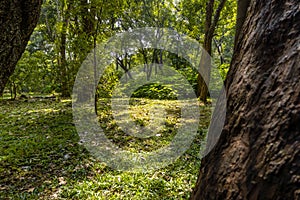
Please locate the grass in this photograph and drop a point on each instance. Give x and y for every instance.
(41, 157)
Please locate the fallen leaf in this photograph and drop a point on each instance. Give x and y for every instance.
(62, 181)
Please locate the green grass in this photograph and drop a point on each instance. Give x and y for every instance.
(41, 157)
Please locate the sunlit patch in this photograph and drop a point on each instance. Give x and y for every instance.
(47, 110)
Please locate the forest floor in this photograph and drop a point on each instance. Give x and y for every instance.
(41, 156)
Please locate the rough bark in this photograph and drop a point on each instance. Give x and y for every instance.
(18, 19)
(258, 153)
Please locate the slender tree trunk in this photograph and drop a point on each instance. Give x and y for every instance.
(211, 21)
(18, 18)
(63, 65)
(258, 153)
(95, 69)
(65, 92)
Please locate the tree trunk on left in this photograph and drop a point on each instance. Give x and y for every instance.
(18, 19)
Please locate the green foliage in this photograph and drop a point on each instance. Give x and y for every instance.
(224, 37)
(155, 91)
(44, 69)
(224, 69)
(108, 82)
(191, 18)
(34, 73)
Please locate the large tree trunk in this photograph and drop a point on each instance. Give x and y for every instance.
(18, 18)
(258, 153)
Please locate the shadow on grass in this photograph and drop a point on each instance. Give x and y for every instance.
(39, 149)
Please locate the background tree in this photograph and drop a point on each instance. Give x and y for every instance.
(68, 30)
(211, 21)
(258, 153)
(17, 21)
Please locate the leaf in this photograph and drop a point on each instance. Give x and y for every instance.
(62, 181)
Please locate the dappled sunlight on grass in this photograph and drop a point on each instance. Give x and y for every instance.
(38, 144)
(48, 110)
(41, 158)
